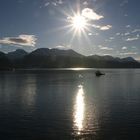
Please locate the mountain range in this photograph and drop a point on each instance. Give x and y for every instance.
(56, 58)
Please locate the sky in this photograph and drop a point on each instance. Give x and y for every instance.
(102, 27)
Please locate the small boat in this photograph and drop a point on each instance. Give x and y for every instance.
(99, 73)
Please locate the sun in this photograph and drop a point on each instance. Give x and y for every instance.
(79, 22)
(78, 25)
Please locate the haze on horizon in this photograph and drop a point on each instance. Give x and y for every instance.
(103, 27)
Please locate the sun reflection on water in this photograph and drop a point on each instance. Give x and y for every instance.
(79, 109)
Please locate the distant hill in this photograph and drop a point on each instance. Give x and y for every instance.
(129, 59)
(5, 63)
(52, 58)
(54, 52)
(55, 58)
(17, 54)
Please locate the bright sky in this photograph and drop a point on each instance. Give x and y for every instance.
(103, 27)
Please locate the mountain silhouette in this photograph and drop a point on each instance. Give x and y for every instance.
(56, 58)
(17, 54)
(5, 63)
(16, 58)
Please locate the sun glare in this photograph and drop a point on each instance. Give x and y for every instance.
(79, 110)
(79, 22)
(78, 25)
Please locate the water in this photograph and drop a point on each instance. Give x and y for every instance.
(70, 104)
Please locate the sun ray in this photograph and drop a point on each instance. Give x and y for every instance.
(73, 36)
(78, 25)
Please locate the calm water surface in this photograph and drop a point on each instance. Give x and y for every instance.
(70, 104)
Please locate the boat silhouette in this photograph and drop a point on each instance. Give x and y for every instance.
(99, 73)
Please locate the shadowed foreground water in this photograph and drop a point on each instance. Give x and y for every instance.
(70, 104)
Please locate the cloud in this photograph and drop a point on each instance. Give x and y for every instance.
(53, 2)
(118, 34)
(85, 3)
(132, 39)
(107, 27)
(21, 40)
(128, 26)
(124, 48)
(129, 53)
(103, 28)
(61, 47)
(90, 14)
(46, 4)
(106, 54)
(96, 26)
(105, 48)
(93, 34)
(136, 30)
(90, 34)
(111, 38)
(127, 33)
